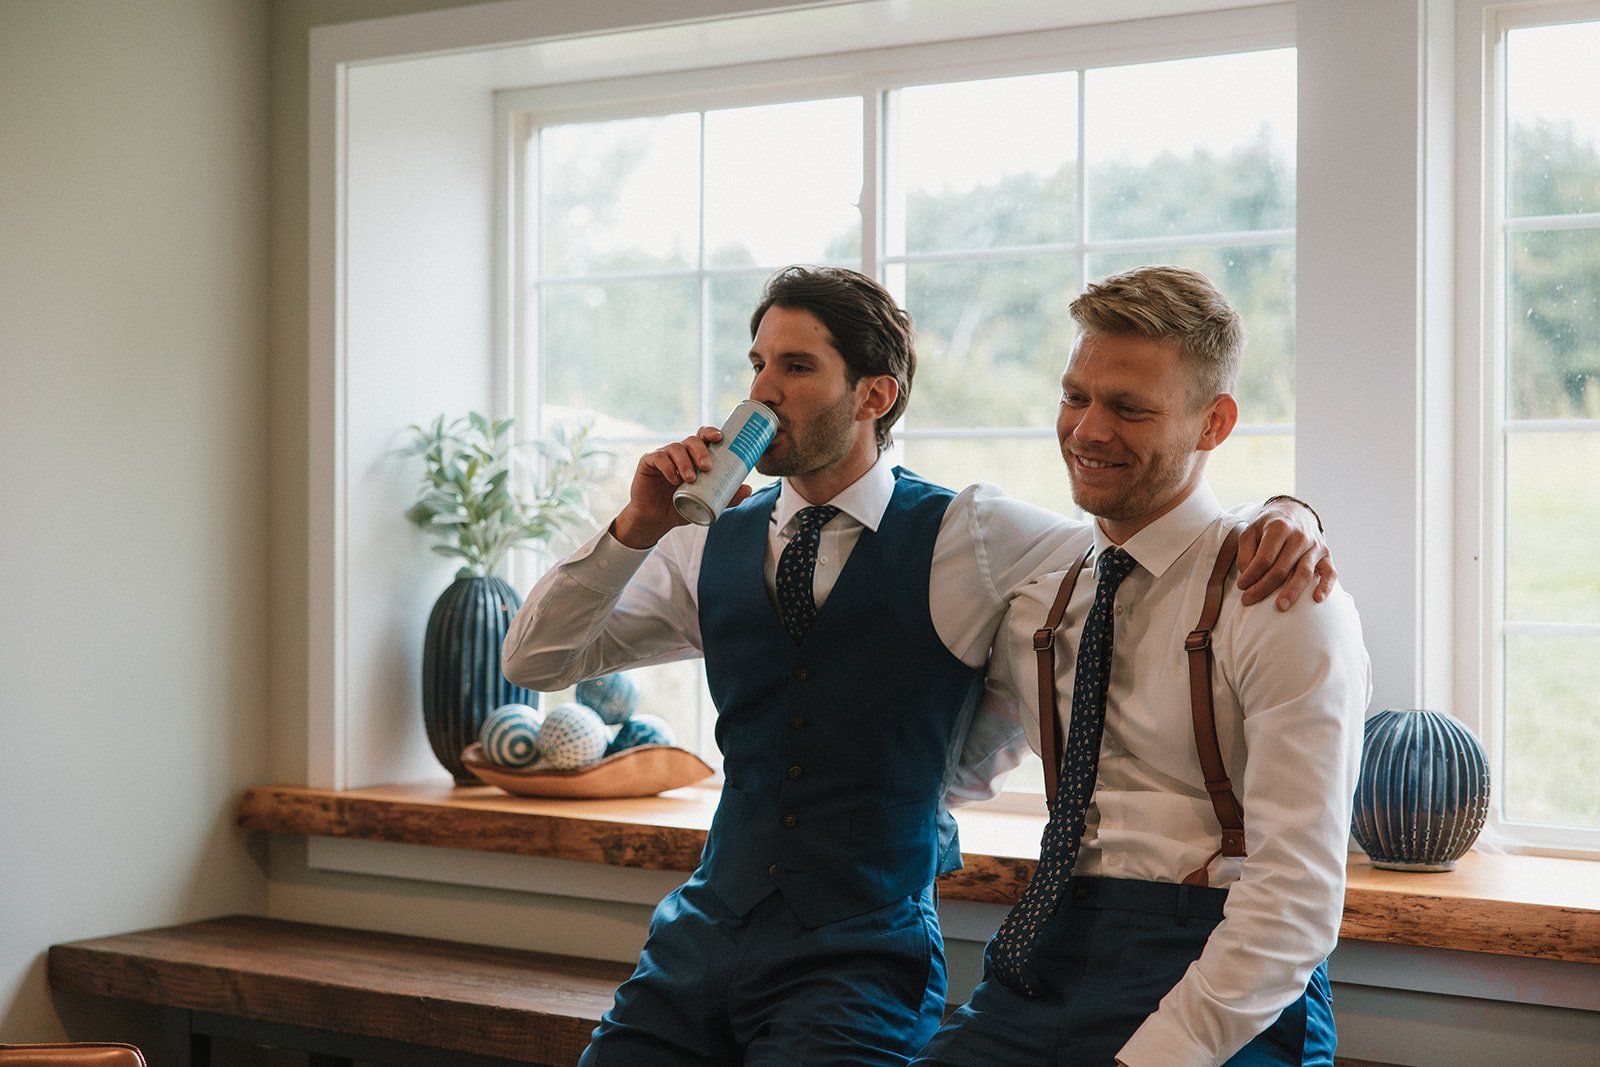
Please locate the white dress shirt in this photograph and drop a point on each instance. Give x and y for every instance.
(1290, 692)
(608, 607)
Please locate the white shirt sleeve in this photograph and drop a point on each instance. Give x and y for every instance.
(1302, 679)
(989, 546)
(607, 608)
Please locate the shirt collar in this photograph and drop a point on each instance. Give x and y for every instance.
(1158, 546)
(864, 500)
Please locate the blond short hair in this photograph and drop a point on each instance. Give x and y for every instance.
(1173, 304)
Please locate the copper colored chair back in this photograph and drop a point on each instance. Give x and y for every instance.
(72, 1054)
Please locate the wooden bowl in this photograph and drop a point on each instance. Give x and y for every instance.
(635, 772)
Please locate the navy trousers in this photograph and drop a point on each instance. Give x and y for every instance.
(764, 991)
(1103, 963)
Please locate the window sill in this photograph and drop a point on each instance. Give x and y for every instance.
(1534, 907)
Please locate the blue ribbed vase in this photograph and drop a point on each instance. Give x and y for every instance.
(461, 679)
(1423, 792)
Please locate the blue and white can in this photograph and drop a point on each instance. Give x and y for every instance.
(746, 434)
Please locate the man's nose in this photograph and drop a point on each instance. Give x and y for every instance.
(764, 387)
(1094, 424)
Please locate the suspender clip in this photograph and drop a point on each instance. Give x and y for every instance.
(1197, 641)
(1043, 638)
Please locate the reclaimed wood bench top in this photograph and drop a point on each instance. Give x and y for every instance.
(529, 1006)
(1537, 907)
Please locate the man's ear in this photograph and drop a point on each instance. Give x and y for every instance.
(875, 395)
(1220, 418)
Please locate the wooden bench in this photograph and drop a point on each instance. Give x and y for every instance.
(344, 995)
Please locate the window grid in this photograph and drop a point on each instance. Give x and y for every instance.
(1510, 634)
(877, 111)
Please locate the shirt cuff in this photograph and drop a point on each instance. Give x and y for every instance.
(1162, 1041)
(605, 564)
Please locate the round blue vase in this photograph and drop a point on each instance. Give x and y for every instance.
(1423, 792)
(461, 679)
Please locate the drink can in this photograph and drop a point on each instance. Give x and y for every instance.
(746, 434)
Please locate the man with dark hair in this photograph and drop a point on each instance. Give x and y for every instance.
(1191, 876)
(808, 934)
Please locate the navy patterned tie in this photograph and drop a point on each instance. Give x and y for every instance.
(797, 567)
(1011, 949)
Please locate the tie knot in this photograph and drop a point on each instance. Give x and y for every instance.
(1115, 565)
(816, 517)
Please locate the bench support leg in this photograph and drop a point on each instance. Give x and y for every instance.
(184, 1047)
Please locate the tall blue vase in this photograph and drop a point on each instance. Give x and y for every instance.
(1423, 792)
(461, 679)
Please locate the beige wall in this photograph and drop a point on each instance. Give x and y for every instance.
(134, 444)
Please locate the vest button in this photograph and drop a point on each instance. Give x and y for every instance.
(796, 722)
(790, 821)
(802, 674)
(795, 773)
(772, 872)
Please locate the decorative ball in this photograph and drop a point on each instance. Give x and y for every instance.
(572, 736)
(641, 730)
(1423, 792)
(510, 735)
(613, 696)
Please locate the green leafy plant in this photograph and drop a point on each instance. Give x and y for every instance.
(470, 500)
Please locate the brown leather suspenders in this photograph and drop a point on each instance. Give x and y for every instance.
(1230, 813)
(1044, 650)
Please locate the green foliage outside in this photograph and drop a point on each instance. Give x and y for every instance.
(993, 337)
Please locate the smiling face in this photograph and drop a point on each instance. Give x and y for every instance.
(825, 437)
(1133, 441)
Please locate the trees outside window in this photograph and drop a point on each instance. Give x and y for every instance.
(984, 204)
(1548, 418)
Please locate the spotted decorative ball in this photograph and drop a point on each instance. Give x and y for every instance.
(613, 696)
(510, 735)
(572, 736)
(641, 730)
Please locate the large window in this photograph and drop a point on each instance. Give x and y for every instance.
(645, 182)
(983, 202)
(1548, 432)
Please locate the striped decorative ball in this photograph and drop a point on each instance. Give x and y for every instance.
(510, 736)
(613, 696)
(641, 730)
(572, 736)
(1423, 792)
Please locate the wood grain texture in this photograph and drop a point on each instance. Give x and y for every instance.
(526, 1006)
(1530, 906)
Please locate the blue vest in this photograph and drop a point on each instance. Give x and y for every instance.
(835, 751)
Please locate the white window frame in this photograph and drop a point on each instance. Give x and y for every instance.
(1482, 313)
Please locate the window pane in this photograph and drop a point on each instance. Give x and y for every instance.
(1251, 467)
(1191, 146)
(782, 183)
(733, 298)
(983, 164)
(1259, 281)
(1552, 730)
(1553, 120)
(1553, 311)
(629, 351)
(992, 340)
(619, 196)
(1552, 513)
(1028, 468)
